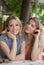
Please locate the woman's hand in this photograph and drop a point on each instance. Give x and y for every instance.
(37, 33)
(13, 37)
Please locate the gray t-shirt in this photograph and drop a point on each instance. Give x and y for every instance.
(8, 41)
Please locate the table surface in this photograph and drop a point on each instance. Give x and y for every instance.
(25, 62)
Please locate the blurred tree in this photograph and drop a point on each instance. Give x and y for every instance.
(26, 10)
(40, 10)
(14, 6)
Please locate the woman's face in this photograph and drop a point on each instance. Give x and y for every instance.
(30, 27)
(14, 27)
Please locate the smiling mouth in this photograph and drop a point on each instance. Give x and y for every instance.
(27, 31)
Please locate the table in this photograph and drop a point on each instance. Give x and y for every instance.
(25, 62)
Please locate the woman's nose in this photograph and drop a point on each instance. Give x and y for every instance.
(14, 27)
(29, 26)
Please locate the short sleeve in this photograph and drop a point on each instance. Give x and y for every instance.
(2, 38)
(7, 40)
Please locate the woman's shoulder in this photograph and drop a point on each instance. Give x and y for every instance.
(3, 37)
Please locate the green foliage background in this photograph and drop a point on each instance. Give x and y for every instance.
(15, 7)
(40, 11)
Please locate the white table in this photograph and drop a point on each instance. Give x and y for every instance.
(25, 62)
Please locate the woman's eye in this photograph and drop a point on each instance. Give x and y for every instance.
(32, 25)
(10, 25)
(17, 25)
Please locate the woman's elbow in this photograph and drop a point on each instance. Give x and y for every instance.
(11, 58)
(33, 58)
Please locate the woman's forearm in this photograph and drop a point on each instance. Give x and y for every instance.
(13, 50)
(35, 50)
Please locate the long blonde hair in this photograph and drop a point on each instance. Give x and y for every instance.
(36, 20)
(39, 26)
(41, 38)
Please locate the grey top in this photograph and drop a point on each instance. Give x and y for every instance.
(8, 41)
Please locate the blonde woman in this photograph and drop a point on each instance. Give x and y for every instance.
(12, 43)
(34, 39)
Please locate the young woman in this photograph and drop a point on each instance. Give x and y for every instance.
(12, 43)
(34, 45)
